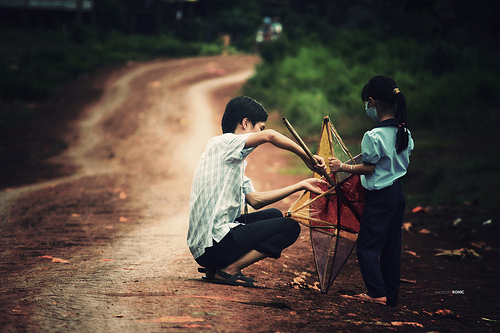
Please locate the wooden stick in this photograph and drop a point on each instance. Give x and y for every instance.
(306, 150)
(339, 140)
(326, 225)
(310, 201)
(334, 228)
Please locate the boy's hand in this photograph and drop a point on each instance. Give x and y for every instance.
(319, 168)
(312, 185)
(334, 164)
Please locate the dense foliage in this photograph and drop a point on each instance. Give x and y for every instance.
(442, 53)
(36, 63)
(322, 80)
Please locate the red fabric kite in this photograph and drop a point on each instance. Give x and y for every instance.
(333, 217)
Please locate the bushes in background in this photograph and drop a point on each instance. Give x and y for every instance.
(446, 88)
(34, 64)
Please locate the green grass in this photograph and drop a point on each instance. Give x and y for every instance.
(316, 80)
(34, 64)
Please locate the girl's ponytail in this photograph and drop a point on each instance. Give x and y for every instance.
(402, 136)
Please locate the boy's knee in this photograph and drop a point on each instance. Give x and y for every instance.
(274, 213)
(293, 227)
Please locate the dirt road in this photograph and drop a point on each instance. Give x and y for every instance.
(95, 240)
(137, 150)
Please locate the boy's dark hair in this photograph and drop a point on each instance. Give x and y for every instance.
(385, 90)
(239, 108)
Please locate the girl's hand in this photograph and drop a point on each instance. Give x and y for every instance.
(319, 168)
(334, 164)
(312, 185)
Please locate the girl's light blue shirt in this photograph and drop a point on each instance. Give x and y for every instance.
(378, 148)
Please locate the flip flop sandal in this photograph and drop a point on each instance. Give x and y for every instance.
(210, 274)
(234, 280)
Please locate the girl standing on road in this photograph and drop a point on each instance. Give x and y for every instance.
(386, 150)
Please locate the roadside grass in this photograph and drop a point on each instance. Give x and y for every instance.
(35, 64)
(454, 170)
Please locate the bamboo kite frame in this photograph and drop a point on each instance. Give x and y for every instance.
(306, 150)
(331, 129)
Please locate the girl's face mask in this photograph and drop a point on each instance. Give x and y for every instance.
(371, 112)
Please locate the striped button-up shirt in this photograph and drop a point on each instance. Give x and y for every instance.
(218, 191)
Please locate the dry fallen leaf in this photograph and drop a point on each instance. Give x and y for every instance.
(463, 253)
(444, 312)
(59, 260)
(419, 209)
(123, 195)
(315, 286)
(479, 245)
(18, 312)
(346, 296)
(413, 254)
(492, 320)
(401, 323)
(298, 280)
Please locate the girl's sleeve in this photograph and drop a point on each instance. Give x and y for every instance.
(370, 149)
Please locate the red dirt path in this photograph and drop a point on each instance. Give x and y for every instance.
(100, 181)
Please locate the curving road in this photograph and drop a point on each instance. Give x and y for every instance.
(138, 148)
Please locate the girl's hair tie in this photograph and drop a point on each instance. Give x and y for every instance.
(395, 91)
